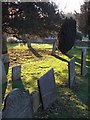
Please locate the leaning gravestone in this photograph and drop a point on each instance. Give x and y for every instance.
(46, 85)
(71, 71)
(16, 72)
(18, 105)
(83, 62)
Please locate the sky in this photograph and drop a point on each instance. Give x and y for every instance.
(69, 6)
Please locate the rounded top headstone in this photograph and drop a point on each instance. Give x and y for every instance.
(17, 105)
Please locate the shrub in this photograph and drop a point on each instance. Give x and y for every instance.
(78, 36)
(67, 35)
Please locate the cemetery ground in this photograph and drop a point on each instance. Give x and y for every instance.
(70, 103)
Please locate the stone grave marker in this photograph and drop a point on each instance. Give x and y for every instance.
(54, 48)
(83, 62)
(18, 105)
(47, 88)
(6, 61)
(71, 72)
(36, 100)
(2, 71)
(16, 72)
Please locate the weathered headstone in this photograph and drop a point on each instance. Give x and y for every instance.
(71, 71)
(6, 61)
(46, 85)
(18, 105)
(83, 62)
(16, 72)
(36, 100)
(54, 48)
(4, 76)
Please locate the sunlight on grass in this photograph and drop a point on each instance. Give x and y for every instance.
(33, 67)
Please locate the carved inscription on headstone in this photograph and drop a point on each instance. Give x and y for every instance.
(16, 72)
(83, 62)
(47, 88)
(71, 71)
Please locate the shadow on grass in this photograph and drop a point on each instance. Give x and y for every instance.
(18, 84)
(60, 58)
(34, 52)
(77, 62)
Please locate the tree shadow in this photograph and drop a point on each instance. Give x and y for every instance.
(78, 62)
(60, 58)
(34, 52)
(80, 94)
(18, 84)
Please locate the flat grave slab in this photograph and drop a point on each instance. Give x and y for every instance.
(47, 88)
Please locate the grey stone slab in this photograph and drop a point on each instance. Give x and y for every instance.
(47, 88)
(16, 72)
(5, 58)
(18, 105)
(83, 62)
(71, 71)
(3, 73)
(54, 48)
(36, 100)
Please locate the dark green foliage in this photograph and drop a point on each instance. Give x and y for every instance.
(37, 18)
(67, 35)
(78, 36)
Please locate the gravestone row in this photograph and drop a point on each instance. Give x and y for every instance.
(71, 68)
(45, 96)
(21, 104)
(44, 41)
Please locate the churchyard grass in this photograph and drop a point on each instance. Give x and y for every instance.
(70, 102)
